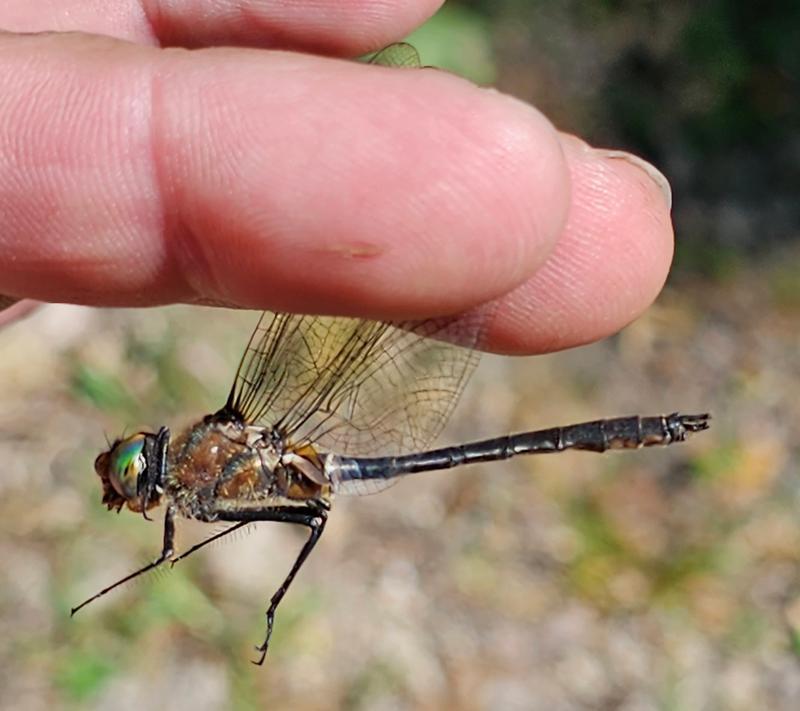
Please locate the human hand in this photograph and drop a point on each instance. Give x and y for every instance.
(134, 173)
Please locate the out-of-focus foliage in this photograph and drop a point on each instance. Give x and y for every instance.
(458, 40)
(709, 92)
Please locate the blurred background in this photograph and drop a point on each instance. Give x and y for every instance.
(658, 580)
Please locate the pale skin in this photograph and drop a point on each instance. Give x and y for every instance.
(134, 172)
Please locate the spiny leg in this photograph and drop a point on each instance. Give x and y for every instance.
(211, 539)
(314, 518)
(166, 552)
(316, 526)
(154, 476)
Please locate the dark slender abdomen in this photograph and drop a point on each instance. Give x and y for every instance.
(597, 436)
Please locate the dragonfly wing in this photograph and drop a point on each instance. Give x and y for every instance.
(399, 54)
(355, 387)
(363, 487)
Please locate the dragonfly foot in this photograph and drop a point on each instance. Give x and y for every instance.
(262, 649)
(264, 646)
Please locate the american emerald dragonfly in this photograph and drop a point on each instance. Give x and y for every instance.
(328, 406)
(325, 406)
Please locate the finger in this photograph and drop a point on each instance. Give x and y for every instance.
(338, 27)
(151, 177)
(610, 263)
(6, 301)
(11, 312)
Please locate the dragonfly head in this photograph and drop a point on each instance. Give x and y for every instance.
(130, 473)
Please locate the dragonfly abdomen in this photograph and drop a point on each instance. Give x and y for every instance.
(597, 436)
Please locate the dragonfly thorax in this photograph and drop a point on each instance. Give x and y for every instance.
(217, 466)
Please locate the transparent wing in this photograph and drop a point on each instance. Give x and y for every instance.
(352, 386)
(399, 54)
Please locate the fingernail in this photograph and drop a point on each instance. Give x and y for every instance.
(652, 172)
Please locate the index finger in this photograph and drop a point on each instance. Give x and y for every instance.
(339, 27)
(265, 180)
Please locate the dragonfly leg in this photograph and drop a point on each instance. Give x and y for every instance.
(167, 550)
(313, 518)
(316, 526)
(211, 539)
(153, 477)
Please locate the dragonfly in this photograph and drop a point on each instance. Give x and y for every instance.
(328, 406)
(325, 406)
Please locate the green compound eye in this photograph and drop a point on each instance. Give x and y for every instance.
(127, 462)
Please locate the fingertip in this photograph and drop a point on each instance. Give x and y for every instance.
(621, 218)
(608, 267)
